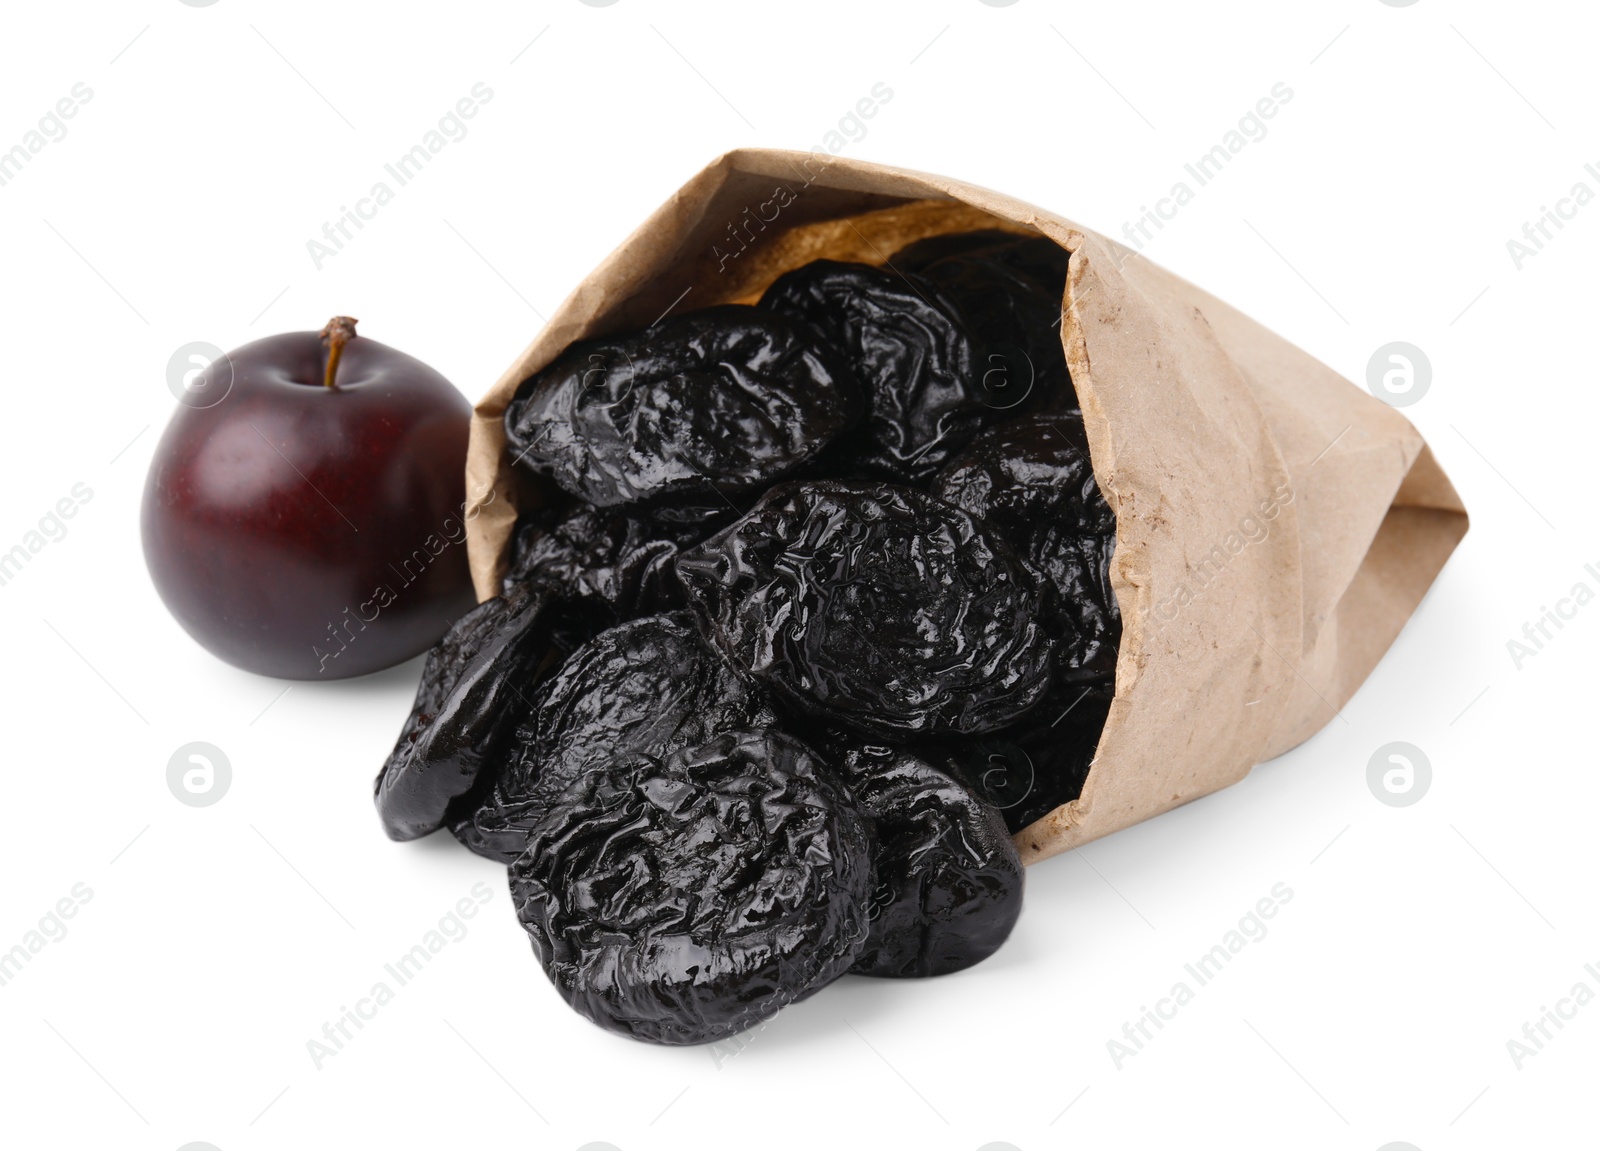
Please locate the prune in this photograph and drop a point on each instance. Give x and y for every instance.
(910, 352)
(475, 682)
(1028, 771)
(1030, 482)
(689, 415)
(1008, 290)
(876, 606)
(795, 517)
(948, 880)
(685, 900)
(1086, 606)
(621, 561)
(649, 686)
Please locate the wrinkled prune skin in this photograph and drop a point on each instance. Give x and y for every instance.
(1028, 771)
(476, 682)
(1086, 649)
(1008, 290)
(696, 413)
(620, 561)
(1030, 482)
(910, 352)
(686, 900)
(948, 879)
(650, 686)
(875, 606)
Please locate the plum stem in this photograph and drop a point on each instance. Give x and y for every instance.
(339, 332)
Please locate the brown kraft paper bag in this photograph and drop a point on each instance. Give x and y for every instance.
(1276, 525)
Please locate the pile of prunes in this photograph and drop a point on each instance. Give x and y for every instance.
(817, 615)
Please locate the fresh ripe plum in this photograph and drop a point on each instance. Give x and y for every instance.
(309, 523)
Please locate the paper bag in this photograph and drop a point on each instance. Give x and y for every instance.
(1276, 525)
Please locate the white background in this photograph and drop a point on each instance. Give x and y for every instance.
(219, 940)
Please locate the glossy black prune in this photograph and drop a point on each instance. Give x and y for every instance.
(910, 352)
(686, 900)
(876, 606)
(948, 880)
(1030, 482)
(1031, 769)
(1008, 290)
(691, 415)
(475, 683)
(649, 687)
(607, 557)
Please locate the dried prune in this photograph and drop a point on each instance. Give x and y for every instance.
(475, 683)
(685, 900)
(1029, 770)
(873, 605)
(1008, 290)
(611, 558)
(948, 880)
(1030, 482)
(649, 686)
(690, 415)
(910, 352)
(796, 517)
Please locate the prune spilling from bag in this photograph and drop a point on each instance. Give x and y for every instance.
(1008, 290)
(1030, 483)
(1028, 771)
(805, 516)
(476, 682)
(948, 880)
(910, 352)
(650, 686)
(691, 415)
(611, 558)
(686, 900)
(875, 606)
